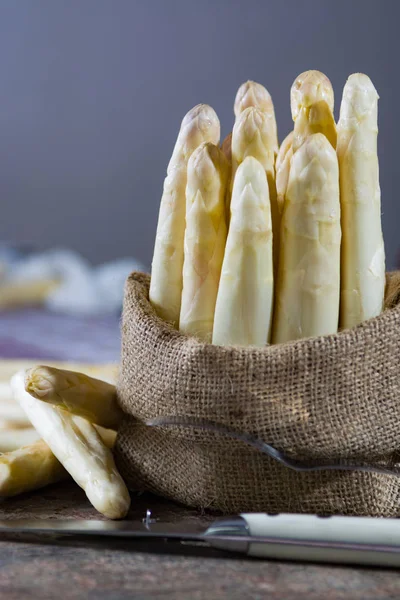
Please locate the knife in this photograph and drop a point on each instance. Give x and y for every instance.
(308, 538)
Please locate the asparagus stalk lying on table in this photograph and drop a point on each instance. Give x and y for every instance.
(205, 239)
(25, 293)
(243, 312)
(12, 439)
(34, 466)
(363, 254)
(12, 413)
(106, 372)
(29, 468)
(5, 391)
(308, 289)
(200, 125)
(76, 393)
(78, 446)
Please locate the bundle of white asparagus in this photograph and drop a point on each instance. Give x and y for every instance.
(256, 243)
(282, 242)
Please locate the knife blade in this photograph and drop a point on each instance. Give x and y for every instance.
(308, 538)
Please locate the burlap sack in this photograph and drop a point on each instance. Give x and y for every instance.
(331, 398)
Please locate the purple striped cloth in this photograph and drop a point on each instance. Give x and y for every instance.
(38, 334)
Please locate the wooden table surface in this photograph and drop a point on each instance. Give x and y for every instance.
(46, 567)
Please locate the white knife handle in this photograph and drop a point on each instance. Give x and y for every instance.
(361, 531)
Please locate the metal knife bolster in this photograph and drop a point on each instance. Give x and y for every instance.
(226, 528)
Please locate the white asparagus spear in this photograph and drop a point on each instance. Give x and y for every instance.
(282, 169)
(226, 148)
(13, 414)
(26, 293)
(243, 312)
(35, 466)
(251, 136)
(283, 149)
(5, 391)
(205, 239)
(312, 102)
(282, 179)
(29, 468)
(316, 118)
(76, 393)
(12, 439)
(200, 125)
(254, 94)
(77, 445)
(363, 253)
(308, 290)
(307, 89)
(105, 372)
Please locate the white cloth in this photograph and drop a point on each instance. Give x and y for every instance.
(83, 289)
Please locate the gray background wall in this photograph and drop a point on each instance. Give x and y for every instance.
(93, 91)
